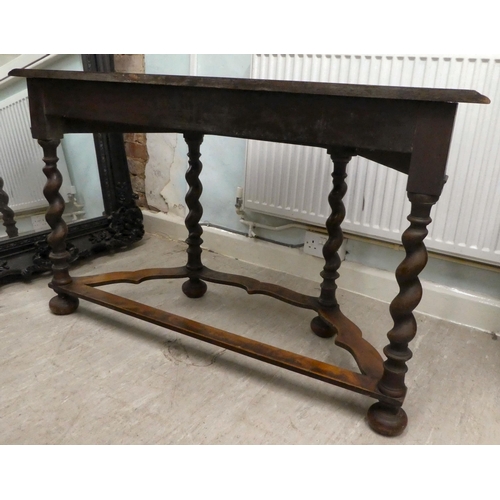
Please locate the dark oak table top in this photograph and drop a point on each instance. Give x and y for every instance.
(302, 87)
(406, 129)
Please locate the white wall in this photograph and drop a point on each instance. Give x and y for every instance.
(5, 58)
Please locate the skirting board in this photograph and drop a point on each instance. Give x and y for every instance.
(438, 301)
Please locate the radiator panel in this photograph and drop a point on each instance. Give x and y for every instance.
(466, 221)
(21, 158)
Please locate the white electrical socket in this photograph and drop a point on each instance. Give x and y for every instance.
(314, 242)
(39, 223)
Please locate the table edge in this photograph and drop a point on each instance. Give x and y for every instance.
(259, 85)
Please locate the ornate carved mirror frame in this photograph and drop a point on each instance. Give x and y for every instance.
(121, 224)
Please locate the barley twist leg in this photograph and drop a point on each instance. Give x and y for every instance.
(335, 238)
(391, 420)
(61, 304)
(194, 287)
(7, 213)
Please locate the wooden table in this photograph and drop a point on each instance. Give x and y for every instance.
(407, 129)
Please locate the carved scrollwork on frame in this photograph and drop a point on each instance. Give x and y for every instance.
(124, 227)
(41, 261)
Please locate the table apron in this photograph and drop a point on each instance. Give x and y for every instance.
(315, 120)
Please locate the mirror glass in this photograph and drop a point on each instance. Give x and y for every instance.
(22, 204)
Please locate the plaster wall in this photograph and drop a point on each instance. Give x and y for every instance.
(222, 157)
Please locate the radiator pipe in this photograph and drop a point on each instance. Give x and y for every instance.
(251, 225)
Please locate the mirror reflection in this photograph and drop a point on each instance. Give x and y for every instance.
(22, 204)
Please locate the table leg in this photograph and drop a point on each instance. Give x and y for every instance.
(194, 287)
(60, 304)
(329, 274)
(7, 213)
(384, 418)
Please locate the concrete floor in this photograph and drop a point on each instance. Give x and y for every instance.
(99, 377)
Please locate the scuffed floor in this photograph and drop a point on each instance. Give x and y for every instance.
(99, 377)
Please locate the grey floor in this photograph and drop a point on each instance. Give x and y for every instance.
(99, 377)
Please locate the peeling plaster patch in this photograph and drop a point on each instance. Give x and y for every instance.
(174, 191)
(165, 184)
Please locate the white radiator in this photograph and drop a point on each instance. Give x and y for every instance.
(466, 221)
(21, 158)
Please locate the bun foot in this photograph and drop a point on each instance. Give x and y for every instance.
(321, 328)
(387, 420)
(194, 288)
(63, 304)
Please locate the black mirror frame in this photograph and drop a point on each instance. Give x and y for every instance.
(121, 224)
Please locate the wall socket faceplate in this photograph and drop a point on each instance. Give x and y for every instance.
(39, 223)
(314, 242)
